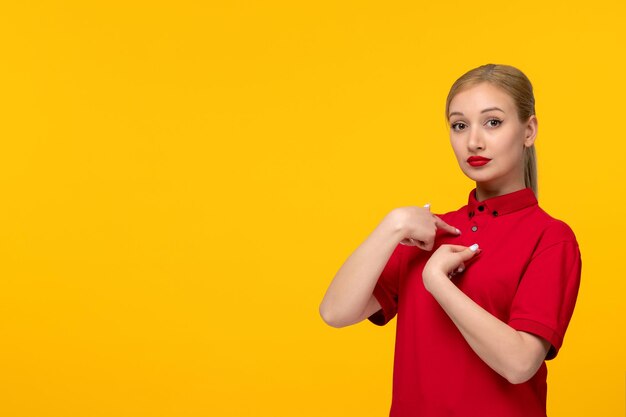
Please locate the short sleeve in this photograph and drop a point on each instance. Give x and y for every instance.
(544, 302)
(386, 289)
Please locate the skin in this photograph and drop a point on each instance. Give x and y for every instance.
(498, 135)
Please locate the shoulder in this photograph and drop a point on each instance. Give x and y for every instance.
(553, 231)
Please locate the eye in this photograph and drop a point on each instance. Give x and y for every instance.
(498, 122)
(457, 126)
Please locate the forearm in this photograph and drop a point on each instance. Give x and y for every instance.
(353, 285)
(500, 346)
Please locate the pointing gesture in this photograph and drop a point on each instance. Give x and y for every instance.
(420, 226)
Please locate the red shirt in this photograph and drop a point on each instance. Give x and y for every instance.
(527, 275)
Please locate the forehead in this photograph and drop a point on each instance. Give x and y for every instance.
(481, 96)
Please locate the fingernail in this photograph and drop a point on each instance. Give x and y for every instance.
(458, 231)
(474, 247)
(461, 269)
(427, 206)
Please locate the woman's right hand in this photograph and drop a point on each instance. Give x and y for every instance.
(420, 226)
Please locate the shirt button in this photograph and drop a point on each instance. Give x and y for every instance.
(474, 228)
(495, 213)
(481, 208)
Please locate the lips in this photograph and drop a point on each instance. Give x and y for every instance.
(477, 161)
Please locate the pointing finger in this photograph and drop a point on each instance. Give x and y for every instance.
(445, 226)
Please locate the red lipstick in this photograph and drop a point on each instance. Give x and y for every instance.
(477, 161)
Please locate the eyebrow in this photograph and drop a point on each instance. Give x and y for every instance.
(484, 111)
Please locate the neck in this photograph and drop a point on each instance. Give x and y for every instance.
(484, 191)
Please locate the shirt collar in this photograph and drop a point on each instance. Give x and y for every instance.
(502, 204)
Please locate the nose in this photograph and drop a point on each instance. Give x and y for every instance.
(475, 141)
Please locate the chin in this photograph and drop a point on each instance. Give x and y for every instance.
(479, 177)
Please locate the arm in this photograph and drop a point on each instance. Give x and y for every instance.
(349, 298)
(513, 354)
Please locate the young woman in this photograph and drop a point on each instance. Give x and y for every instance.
(484, 294)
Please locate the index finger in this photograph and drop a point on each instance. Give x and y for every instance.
(445, 226)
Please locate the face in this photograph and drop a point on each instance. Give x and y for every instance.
(484, 123)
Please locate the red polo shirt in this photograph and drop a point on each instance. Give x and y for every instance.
(527, 275)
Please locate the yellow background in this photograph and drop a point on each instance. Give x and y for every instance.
(181, 181)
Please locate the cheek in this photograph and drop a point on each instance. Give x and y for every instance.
(516, 138)
(515, 147)
(455, 148)
(508, 142)
(512, 153)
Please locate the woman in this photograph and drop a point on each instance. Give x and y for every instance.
(484, 294)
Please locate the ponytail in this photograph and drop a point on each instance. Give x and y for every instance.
(530, 169)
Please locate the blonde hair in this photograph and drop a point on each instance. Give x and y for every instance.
(518, 87)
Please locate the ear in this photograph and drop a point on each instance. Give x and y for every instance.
(531, 131)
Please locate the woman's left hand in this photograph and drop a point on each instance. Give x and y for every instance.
(447, 261)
